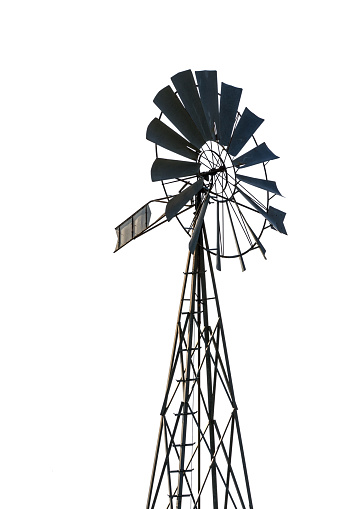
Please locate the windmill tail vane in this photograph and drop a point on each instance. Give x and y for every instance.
(220, 194)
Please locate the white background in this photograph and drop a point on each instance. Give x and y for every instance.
(86, 335)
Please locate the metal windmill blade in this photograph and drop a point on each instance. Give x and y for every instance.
(220, 194)
(218, 139)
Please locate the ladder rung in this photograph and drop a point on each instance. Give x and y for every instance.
(184, 445)
(188, 379)
(187, 413)
(188, 349)
(196, 272)
(179, 471)
(177, 496)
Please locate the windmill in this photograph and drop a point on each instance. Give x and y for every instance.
(220, 195)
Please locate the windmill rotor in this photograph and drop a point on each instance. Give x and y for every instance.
(217, 142)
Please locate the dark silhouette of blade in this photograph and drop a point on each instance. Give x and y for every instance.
(208, 89)
(170, 105)
(197, 229)
(246, 127)
(229, 102)
(276, 218)
(177, 202)
(267, 185)
(273, 216)
(165, 169)
(185, 86)
(259, 154)
(162, 135)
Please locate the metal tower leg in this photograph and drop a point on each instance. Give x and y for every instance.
(206, 337)
(229, 374)
(186, 380)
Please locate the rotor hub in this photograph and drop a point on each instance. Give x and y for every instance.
(218, 170)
